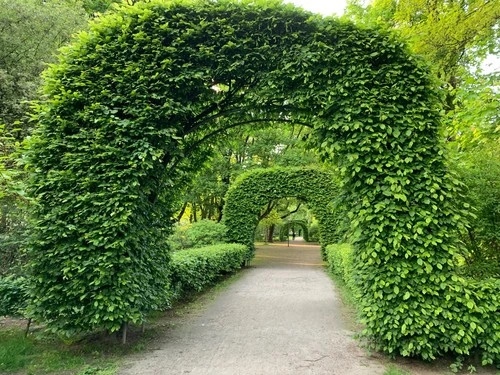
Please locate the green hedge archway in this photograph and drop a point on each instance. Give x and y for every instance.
(129, 112)
(255, 188)
(285, 229)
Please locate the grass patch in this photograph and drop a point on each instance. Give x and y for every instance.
(15, 350)
(40, 353)
(393, 370)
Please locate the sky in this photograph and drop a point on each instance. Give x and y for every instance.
(329, 7)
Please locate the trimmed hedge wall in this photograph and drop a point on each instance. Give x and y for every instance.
(341, 263)
(469, 313)
(195, 269)
(192, 271)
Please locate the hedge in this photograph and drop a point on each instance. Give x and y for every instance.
(467, 309)
(130, 111)
(285, 229)
(193, 270)
(253, 189)
(340, 263)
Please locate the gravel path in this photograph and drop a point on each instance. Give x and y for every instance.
(283, 316)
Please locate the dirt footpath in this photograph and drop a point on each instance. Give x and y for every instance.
(283, 316)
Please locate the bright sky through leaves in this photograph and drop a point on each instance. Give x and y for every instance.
(336, 7)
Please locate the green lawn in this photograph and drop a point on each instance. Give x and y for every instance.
(40, 353)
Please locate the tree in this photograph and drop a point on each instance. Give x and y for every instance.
(451, 35)
(242, 149)
(12, 205)
(31, 31)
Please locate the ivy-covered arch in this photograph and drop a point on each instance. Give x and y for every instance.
(285, 229)
(255, 188)
(128, 113)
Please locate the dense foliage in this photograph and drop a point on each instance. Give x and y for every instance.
(198, 234)
(339, 258)
(129, 112)
(480, 172)
(193, 270)
(452, 35)
(257, 187)
(466, 310)
(12, 206)
(30, 33)
(457, 38)
(13, 296)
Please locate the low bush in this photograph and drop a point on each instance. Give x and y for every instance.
(192, 270)
(198, 234)
(195, 269)
(13, 296)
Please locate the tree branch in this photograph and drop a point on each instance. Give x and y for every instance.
(291, 212)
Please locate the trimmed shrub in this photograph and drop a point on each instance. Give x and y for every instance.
(314, 232)
(195, 269)
(253, 189)
(340, 262)
(13, 296)
(285, 229)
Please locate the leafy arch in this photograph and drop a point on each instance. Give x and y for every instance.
(129, 111)
(255, 188)
(285, 228)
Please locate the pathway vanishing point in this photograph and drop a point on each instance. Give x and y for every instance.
(283, 316)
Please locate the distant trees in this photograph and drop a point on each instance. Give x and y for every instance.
(31, 31)
(242, 149)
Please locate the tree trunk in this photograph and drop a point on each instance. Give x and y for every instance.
(183, 209)
(270, 233)
(195, 218)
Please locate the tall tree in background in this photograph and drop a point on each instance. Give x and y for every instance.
(31, 31)
(242, 149)
(452, 35)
